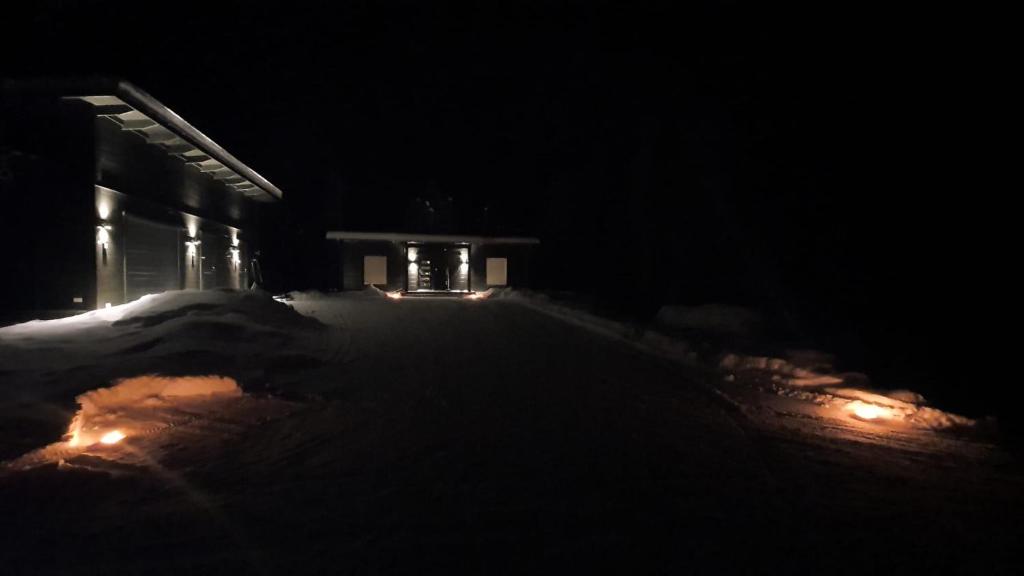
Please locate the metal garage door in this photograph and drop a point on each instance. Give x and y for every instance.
(151, 257)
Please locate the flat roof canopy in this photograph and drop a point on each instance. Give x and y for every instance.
(427, 238)
(136, 111)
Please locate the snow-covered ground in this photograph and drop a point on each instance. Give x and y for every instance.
(358, 433)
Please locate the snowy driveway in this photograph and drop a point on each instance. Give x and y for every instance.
(486, 437)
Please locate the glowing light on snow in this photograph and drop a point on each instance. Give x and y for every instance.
(112, 437)
(479, 295)
(135, 403)
(865, 411)
(393, 295)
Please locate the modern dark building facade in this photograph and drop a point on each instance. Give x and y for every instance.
(109, 195)
(429, 263)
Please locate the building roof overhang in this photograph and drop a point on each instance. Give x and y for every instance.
(429, 238)
(136, 111)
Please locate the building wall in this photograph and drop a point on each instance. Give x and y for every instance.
(206, 265)
(520, 259)
(346, 263)
(110, 281)
(127, 163)
(351, 255)
(46, 219)
(69, 180)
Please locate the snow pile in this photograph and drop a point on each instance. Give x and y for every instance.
(369, 291)
(710, 318)
(783, 370)
(805, 376)
(827, 389)
(245, 335)
(142, 404)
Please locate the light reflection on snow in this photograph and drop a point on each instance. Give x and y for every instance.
(869, 412)
(112, 437)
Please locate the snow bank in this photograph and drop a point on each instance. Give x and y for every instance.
(803, 375)
(711, 318)
(244, 335)
(142, 404)
(787, 379)
(795, 375)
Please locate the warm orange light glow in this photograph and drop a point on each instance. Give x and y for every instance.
(475, 296)
(112, 437)
(868, 411)
(394, 295)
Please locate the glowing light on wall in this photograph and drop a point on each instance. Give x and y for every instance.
(464, 255)
(235, 256)
(103, 209)
(103, 235)
(191, 244)
(413, 253)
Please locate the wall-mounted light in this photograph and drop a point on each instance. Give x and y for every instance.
(190, 244)
(103, 235)
(413, 253)
(235, 255)
(464, 255)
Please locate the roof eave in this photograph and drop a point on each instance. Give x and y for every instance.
(426, 238)
(131, 95)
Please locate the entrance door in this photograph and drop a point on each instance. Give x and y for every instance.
(438, 267)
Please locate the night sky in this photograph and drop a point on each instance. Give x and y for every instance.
(788, 158)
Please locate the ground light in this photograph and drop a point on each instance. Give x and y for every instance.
(112, 437)
(393, 295)
(868, 412)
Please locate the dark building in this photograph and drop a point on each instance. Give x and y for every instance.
(426, 263)
(109, 195)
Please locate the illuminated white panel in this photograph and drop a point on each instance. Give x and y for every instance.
(497, 271)
(375, 270)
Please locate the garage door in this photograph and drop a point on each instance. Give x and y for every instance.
(151, 257)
